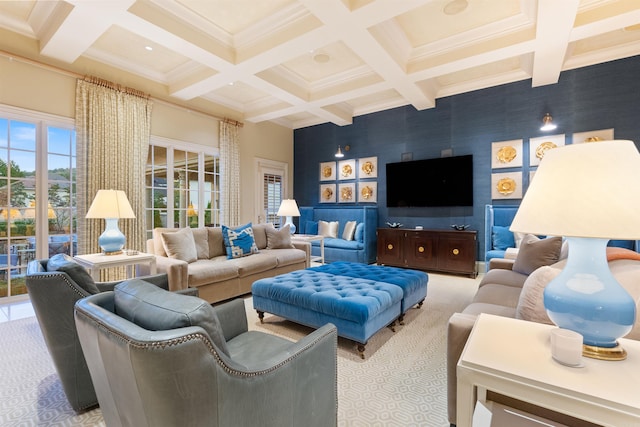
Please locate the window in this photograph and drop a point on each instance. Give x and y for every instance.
(183, 185)
(270, 190)
(37, 192)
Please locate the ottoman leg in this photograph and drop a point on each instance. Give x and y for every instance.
(420, 304)
(392, 326)
(260, 315)
(401, 319)
(360, 350)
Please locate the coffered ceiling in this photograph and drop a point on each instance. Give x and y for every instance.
(304, 62)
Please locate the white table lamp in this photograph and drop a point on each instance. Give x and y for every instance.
(588, 193)
(289, 209)
(111, 205)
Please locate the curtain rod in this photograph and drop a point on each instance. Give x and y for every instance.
(68, 73)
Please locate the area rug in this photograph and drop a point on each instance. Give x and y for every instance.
(401, 381)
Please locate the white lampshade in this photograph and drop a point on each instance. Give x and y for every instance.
(584, 190)
(110, 204)
(288, 207)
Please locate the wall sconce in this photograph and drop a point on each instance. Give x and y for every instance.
(339, 154)
(547, 123)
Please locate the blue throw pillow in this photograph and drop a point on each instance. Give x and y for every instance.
(311, 227)
(502, 238)
(359, 234)
(239, 241)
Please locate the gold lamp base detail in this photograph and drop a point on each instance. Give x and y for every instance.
(604, 353)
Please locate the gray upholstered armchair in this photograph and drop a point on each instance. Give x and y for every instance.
(54, 285)
(161, 359)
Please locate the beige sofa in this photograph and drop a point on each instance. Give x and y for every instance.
(519, 294)
(218, 278)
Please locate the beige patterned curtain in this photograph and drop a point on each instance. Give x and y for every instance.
(230, 172)
(113, 126)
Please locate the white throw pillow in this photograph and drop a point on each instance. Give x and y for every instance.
(328, 229)
(180, 245)
(531, 303)
(349, 230)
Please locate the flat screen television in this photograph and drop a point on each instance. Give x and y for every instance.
(445, 181)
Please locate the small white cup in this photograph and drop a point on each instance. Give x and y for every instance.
(566, 346)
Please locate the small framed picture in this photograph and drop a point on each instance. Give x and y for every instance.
(368, 167)
(347, 169)
(347, 193)
(506, 154)
(367, 192)
(406, 157)
(328, 171)
(593, 136)
(539, 146)
(327, 193)
(507, 185)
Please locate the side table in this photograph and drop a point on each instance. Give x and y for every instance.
(309, 238)
(96, 262)
(513, 358)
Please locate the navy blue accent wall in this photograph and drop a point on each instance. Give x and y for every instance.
(592, 98)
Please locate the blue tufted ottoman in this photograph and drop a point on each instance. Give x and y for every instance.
(412, 282)
(358, 307)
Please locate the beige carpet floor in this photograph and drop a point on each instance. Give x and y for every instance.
(401, 381)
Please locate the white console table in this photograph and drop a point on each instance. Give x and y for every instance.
(513, 358)
(309, 238)
(95, 262)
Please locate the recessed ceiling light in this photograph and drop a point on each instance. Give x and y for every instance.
(321, 58)
(149, 48)
(455, 6)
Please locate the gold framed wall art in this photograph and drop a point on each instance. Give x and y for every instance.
(506, 185)
(327, 193)
(347, 193)
(346, 169)
(506, 154)
(328, 171)
(593, 136)
(367, 192)
(539, 146)
(368, 167)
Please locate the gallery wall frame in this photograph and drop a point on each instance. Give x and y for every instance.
(328, 171)
(367, 192)
(347, 192)
(346, 169)
(506, 185)
(368, 167)
(506, 154)
(327, 193)
(540, 145)
(593, 136)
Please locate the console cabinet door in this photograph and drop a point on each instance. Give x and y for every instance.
(420, 250)
(457, 253)
(390, 247)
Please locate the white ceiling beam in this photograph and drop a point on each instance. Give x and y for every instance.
(553, 31)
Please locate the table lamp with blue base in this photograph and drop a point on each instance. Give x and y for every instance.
(588, 193)
(288, 209)
(111, 205)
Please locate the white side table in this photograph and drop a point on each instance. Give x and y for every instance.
(309, 238)
(513, 358)
(95, 262)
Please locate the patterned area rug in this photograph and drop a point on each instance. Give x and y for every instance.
(401, 381)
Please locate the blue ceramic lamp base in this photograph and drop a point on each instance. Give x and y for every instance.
(112, 240)
(292, 227)
(586, 298)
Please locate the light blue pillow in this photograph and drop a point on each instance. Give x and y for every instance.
(311, 227)
(359, 234)
(502, 238)
(239, 241)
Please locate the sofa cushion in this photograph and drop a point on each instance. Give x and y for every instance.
(328, 229)
(260, 234)
(257, 263)
(216, 242)
(180, 245)
(531, 303)
(502, 238)
(349, 230)
(65, 264)
(239, 241)
(212, 270)
(279, 239)
(311, 227)
(158, 245)
(288, 256)
(534, 253)
(201, 239)
(156, 309)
